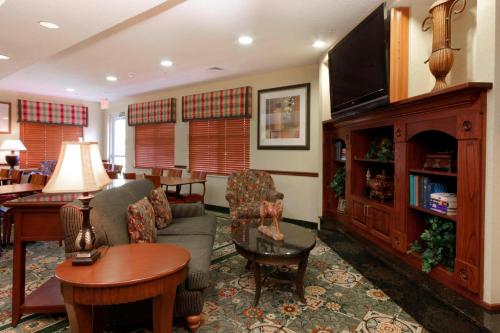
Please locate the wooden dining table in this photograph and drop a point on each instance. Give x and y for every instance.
(179, 181)
(5, 180)
(20, 188)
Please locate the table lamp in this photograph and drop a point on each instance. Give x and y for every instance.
(79, 169)
(13, 145)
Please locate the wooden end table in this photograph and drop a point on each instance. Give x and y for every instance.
(123, 274)
(260, 249)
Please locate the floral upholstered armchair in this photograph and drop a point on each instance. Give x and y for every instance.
(245, 192)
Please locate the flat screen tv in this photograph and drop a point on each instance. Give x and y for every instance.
(358, 66)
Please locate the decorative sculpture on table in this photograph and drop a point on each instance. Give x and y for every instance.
(273, 210)
(441, 59)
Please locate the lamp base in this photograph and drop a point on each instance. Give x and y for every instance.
(85, 258)
(12, 160)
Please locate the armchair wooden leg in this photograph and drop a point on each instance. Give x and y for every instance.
(194, 322)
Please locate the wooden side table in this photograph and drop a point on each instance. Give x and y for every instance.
(123, 274)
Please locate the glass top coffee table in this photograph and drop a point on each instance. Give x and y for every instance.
(260, 249)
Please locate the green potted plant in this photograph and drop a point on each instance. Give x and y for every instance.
(338, 186)
(438, 244)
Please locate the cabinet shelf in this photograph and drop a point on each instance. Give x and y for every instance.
(370, 160)
(433, 172)
(339, 161)
(431, 212)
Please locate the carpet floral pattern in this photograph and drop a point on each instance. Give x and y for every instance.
(338, 298)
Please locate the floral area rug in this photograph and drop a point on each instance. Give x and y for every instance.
(338, 298)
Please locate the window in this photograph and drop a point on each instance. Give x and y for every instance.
(43, 141)
(219, 146)
(154, 145)
(118, 129)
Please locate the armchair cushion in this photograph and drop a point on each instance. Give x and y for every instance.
(141, 222)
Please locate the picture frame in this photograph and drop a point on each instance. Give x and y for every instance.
(5, 111)
(284, 117)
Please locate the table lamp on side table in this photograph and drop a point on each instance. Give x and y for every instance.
(79, 169)
(13, 145)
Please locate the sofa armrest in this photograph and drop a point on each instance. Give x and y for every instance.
(187, 210)
(275, 195)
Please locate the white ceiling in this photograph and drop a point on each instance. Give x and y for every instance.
(116, 37)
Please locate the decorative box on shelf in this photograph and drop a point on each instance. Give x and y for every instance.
(440, 161)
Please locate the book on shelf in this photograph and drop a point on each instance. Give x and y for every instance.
(444, 203)
(421, 190)
(340, 151)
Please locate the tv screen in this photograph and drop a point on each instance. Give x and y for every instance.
(358, 66)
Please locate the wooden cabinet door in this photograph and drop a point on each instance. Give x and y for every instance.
(358, 214)
(379, 221)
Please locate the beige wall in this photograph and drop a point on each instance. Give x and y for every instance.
(302, 194)
(91, 133)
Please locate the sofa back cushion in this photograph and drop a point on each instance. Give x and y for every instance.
(109, 212)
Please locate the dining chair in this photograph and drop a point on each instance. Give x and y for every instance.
(38, 179)
(118, 168)
(174, 172)
(154, 179)
(196, 197)
(16, 176)
(107, 166)
(129, 175)
(4, 172)
(157, 172)
(112, 174)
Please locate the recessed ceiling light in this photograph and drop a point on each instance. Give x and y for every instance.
(245, 40)
(131, 75)
(111, 78)
(48, 25)
(167, 63)
(4, 57)
(70, 89)
(318, 44)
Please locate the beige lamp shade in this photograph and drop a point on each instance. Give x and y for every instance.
(79, 169)
(12, 145)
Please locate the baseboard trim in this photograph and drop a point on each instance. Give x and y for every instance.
(302, 223)
(491, 306)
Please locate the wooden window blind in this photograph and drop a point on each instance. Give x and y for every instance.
(154, 145)
(219, 146)
(43, 141)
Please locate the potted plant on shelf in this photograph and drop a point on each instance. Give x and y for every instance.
(338, 186)
(438, 244)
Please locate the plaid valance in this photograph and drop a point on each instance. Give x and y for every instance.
(153, 112)
(229, 103)
(52, 113)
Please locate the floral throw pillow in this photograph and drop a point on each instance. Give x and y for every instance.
(163, 213)
(141, 222)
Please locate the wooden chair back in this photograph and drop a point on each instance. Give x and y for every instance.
(107, 166)
(198, 175)
(4, 172)
(156, 171)
(38, 179)
(154, 179)
(16, 176)
(118, 168)
(129, 175)
(174, 173)
(112, 174)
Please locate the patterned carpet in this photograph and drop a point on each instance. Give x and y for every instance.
(338, 298)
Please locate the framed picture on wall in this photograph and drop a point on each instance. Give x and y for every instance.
(5, 117)
(283, 117)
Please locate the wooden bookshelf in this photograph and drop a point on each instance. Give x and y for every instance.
(419, 126)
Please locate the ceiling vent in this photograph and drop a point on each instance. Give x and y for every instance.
(215, 69)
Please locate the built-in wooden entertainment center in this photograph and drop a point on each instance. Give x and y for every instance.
(453, 120)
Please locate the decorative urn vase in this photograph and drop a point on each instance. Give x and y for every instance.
(441, 59)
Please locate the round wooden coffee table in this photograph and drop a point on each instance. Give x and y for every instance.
(260, 249)
(123, 274)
